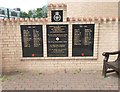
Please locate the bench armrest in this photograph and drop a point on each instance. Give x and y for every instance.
(107, 54)
(111, 53)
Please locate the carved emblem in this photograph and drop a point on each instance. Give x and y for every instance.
(57, 16)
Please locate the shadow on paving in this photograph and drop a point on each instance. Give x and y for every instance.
(60, 91)
(60, 81)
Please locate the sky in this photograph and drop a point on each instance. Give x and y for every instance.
(25, 5)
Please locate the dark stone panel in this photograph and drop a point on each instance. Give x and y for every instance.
(82, 39)
(57, 40)
(32, 40)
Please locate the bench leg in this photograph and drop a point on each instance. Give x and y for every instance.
(104, 70)
(117, 72)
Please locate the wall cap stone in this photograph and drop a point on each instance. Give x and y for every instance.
(69, 19)
(56, 5)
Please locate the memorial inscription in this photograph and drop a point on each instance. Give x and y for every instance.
(32, 40)
(57, 40)
(83, 40)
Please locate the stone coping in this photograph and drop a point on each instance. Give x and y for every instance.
(68, 19)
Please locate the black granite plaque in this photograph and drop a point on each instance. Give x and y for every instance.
(83, 40)
(57, 40)
(57, 15)
(32, 40)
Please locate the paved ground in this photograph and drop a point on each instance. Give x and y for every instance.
(60, 80)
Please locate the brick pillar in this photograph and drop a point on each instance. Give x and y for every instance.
(119, 25)
(0, 49)
(119, 36)
(0, 54)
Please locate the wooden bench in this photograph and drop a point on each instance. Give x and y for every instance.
(114, 66)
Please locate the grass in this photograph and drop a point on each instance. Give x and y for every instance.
(3, 78)
(77, 71)
(40, 73)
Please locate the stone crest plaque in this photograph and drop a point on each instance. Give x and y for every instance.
(32, 40)
(57, 15)
(57, 40)
(83, 40)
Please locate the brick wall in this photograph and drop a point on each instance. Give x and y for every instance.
(119, 35)
(119, 26)
(85, 8)
(1, 48)
(106, 39)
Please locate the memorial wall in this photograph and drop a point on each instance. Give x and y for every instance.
(58, 42)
